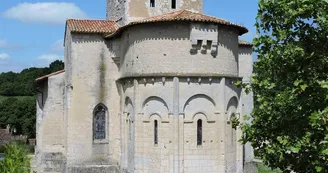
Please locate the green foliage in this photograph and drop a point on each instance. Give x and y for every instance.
(16, 159)
(22, 84)
(17, 103)
(290, 130)
(2, 148)
(235, 122)
(20, 114)
(56, 66)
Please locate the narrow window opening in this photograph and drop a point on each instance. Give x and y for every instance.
(99, 122)
(152, 3)
(199, 44)
(174, 4)
(199, 132)
(233, 131)
(209, 44)
(130, 134)
(155, 132)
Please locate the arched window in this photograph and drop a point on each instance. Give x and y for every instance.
(152, 3)
(155, 132)
(99, 122)
(199, 132)
(174, 4)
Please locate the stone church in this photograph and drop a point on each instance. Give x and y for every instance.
(148, 90)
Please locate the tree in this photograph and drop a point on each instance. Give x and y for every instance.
(23, 84)
(56, 66)
(289, 129)
(19, 114)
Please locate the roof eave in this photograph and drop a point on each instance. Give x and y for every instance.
(49, 75)
(241, 30)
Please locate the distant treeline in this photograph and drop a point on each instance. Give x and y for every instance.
(20, 114)
(22, 84)
(17, 98)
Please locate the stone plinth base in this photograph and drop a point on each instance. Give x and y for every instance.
(94, 169)
(250, 167)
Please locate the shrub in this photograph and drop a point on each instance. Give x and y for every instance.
(16, 159)
(2, 148)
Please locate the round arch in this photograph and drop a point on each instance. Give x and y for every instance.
(197, 96)
(232, 102)
(156, 98)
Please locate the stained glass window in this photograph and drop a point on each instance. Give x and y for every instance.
(100, 122)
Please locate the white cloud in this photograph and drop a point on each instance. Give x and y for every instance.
(3, 43)
(4, 56)
(58, 45)
(4, 61)
(44, 12)
(50, 57)
(45, 59)
(11, 66)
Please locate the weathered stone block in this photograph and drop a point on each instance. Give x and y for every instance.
(94, 169)
(250, 167)
(53, 162)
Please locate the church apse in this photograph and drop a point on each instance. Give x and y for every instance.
(152, 95)
(198, 123)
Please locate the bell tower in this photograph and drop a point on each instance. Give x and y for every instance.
(125, 11)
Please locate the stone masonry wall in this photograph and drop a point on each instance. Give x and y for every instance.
(116, 11)
(245, 71)
(163, 49)
(125, 11)
(177, 105)
(51, 138)
(89, 88)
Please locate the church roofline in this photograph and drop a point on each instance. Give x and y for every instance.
(245, 43)
(49, 75)
(91, 26)
(183, 16)
(110, 28)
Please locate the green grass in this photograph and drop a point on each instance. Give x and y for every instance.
(264, 169)
(18, 97)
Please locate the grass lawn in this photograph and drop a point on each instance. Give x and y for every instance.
(263, 169)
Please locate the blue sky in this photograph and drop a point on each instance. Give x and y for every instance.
(31, 32)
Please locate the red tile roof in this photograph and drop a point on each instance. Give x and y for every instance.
(91, 26)
(49, 75)
(245, 43)
(183, 15)
(110, 27)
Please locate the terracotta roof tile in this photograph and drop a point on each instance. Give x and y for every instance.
(49, 75)
(183, 15)
(245, 43)
(91, 26)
